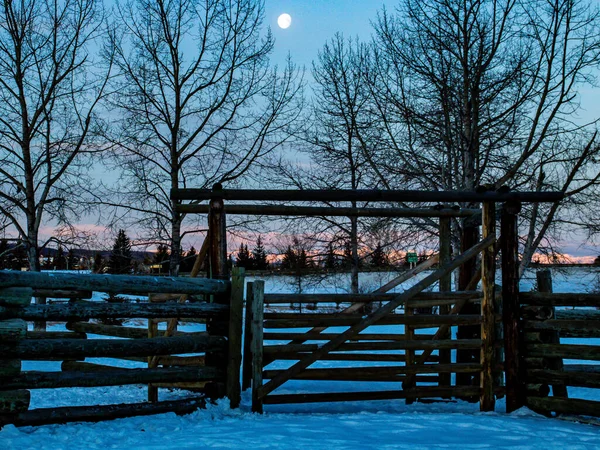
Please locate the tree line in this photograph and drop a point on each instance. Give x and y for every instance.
(165, 94)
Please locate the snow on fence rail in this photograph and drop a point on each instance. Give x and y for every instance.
(214, 369)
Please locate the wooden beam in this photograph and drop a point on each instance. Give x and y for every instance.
(247, 356)
(429, 297)
(425, 320)
(373, 346)
(372, 318)
(234, 338)
(561, 405)
(558, 299)
(258, 293)
(445, 285)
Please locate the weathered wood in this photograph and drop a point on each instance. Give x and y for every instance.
(12, 330)
(258, 292)
(55, 334)
(325, 397)
(234, 338)
(365, 195)
(13, 401)
(81, 366)
(84, 311)
(487, 400)
(445, 285)
(558, 299)
(40, 349)
(566, 328)
(312, 336)
(590, 377)
(578, 314)
(116, 377)
(374, 373)
(118, 284)
(47, 416)
(443, 298)
(247, 354)
(561, 405)
(565, 351)
(347, 320)
(372, 346)
(114, 330)
(152, 332)
(372, 318)
(328, 211)
(62, 293)
(16, 296)
(9, 368)
(380, 357)
(515, 388)
(408, 383)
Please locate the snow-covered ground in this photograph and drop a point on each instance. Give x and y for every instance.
(374, 424)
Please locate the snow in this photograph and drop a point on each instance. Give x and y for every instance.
(370, 424)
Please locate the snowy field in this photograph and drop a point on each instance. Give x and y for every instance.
(373, 424)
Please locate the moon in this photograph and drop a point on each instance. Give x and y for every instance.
(284, 21)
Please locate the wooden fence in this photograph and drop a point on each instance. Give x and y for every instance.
(213, 366)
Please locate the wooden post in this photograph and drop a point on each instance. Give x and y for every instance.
(247, 364)
(39, 325)
(217, 254)
(234, 359)
(258, 290)
(515, 387)
(445, 286)
(544, 284)
(152, 361)
(488, 273)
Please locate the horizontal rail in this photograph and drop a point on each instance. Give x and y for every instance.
(351, 319)
(116, 377)
(325, 397)
(590, 377)
(564, 405)
(48, 416)
(566, 351)
(566, 328)
(364, 195)
(97, 310)
(273, 299)
(558, 299)
(376, 373)
(116, 330)
(371, 357)
(463, 344)
(328, 211)
(56, 335)
(118, 284)
(316, 336)
(40, 349)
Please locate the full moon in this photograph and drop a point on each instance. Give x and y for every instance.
(284, 21)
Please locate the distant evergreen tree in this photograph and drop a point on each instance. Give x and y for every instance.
(60, 263)
(347, 255)
(244, 258)
(162, 257)
(259, 256)
(330, 257)
(379, 258)
(120, 257)
(289, 259)
(99, 263)
(302, 261)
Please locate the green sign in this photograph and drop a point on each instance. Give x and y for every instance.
(412, 257)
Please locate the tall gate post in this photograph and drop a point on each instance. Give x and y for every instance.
(217, 254)
(515, 391)
(445, 286)
(488, 273)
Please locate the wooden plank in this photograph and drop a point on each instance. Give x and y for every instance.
(565, 351)
(9, 368)
(84, 311)
(409, 383)
(326, 397)
(444, 297)
(111, 330)
(115, 377)
(558, 299)
(487, 400)
(515, 388)
(445, 285)
(40, 349)
(12, 330)
(364, 195)
(375, 373)
(47, 416)
(16, 296)
(280, 336)
(328, 320)
(372, 318)
(258, 292)
(381, 357)
(561, 405)
(566, 328)
(327, 211)
(373, 346)
(234, 338)
(247, 356)
(61, 293)
(55, 335)
(585, 378)
(13, 401)
(118, 284)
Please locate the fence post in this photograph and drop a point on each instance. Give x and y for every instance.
(247, 363)
(488, 273)
(217, 251)
(258, 289)
(511, 306)
(445, 286)
(234, 359)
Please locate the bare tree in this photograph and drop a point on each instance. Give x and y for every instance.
(485, 92)
(197, 104)
(50, 86)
